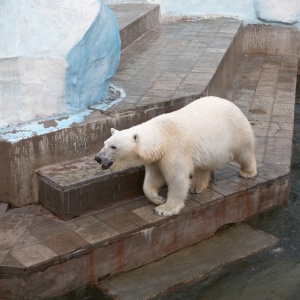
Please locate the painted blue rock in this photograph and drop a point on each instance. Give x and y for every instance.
(58, 57)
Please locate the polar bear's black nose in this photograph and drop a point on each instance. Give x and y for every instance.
(98, 159)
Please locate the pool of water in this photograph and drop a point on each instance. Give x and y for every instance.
(270, 275)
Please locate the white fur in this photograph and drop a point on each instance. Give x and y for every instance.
(190, 142)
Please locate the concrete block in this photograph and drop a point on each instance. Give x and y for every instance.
(77, 187)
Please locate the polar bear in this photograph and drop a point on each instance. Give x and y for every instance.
(182, 148)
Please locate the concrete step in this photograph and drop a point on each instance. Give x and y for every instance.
(187, 265)
(166, 68)
(79, 186)
(134, 20)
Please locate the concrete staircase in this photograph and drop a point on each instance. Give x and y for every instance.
(105, 225)
(153, 86)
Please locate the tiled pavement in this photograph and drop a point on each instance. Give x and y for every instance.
(264, 89)
(173, 61)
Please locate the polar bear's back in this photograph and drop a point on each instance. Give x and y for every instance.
(212, 113)
(213, 108)
(212, 128)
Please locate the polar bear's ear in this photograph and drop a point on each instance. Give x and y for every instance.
(136, 137)
(113, 131)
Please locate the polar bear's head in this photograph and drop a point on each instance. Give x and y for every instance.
(128, 148)
(119, 150)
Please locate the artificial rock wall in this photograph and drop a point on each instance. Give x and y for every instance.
(58, 57)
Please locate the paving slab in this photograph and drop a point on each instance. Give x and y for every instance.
(134, 20)
(186, 265)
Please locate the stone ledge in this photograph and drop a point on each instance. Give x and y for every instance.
(117, 247)
(190, 264)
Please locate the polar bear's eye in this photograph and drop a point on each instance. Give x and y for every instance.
(113, 147)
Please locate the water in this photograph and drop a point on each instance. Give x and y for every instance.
(270, 275)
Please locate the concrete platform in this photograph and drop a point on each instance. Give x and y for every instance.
(38, 248)
(45, 256)
(80, 186)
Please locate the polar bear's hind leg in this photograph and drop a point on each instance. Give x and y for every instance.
(247, 161)
(200, 180)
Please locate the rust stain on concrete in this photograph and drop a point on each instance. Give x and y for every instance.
(257, 111)
(91, 270)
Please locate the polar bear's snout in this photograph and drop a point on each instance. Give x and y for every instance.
(98, 159)
(104, 162)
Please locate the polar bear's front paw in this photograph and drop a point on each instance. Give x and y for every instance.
(158, 200)
(245, 174)
(193, 190)
(168, 210)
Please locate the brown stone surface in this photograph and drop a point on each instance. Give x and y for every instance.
(134, 20)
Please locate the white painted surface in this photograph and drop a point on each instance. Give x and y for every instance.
(44, 28)
(31, 88)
